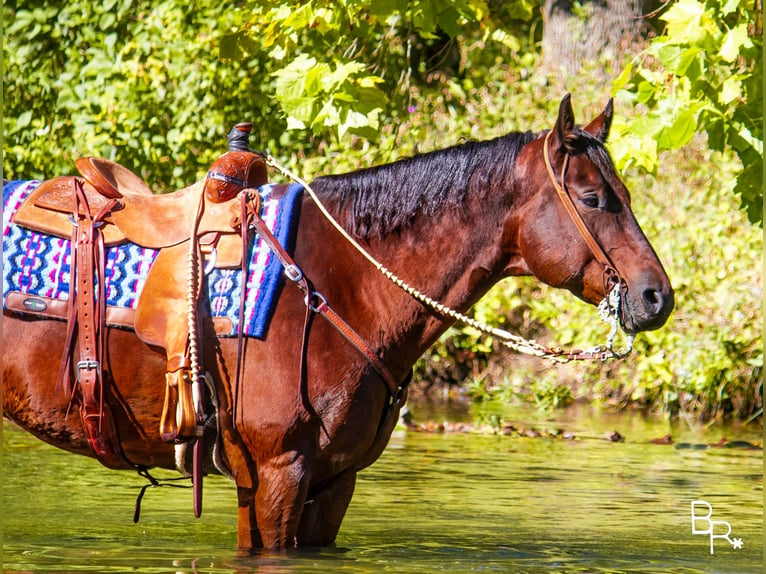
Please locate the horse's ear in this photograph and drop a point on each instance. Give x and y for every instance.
(599, 127)
(565, 123)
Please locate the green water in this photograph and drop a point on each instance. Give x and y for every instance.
(433, 502)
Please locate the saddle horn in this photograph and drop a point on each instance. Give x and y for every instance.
(237, 169)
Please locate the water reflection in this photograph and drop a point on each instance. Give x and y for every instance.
(433, 502)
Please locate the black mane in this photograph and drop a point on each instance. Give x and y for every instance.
(384, 199)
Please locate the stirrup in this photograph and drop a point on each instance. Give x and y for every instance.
(179, 419)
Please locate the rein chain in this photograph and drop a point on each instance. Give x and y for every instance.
(609, 308)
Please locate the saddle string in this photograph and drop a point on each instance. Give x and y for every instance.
(153, 482)
(64, 376)
(81, 213)
(508, 339)
(191, 299)
(87, 314)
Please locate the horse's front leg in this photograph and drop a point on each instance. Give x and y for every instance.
(248, 535)
(324, 511)
(282, 488)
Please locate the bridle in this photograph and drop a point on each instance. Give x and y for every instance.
(615, 287)
(611, 276)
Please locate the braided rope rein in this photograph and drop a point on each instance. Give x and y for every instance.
(609, 307)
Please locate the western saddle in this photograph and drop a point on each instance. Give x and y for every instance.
(109, 205)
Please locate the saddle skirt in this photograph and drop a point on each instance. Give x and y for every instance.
(36, 269)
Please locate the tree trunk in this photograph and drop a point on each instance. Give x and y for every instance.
(589, 31)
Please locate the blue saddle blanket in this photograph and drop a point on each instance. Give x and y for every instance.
(39, 265)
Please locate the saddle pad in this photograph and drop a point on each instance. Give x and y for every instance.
(36, 264)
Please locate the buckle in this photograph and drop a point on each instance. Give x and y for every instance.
(89, 365)
(293, 273)
(75, 223)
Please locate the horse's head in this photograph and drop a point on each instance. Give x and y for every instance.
(571, 165)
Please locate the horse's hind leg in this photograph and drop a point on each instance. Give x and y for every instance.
(324, 511)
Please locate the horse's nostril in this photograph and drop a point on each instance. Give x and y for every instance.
(653, 300)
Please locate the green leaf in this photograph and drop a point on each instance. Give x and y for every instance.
(750, 188)
(621, 81)
(522, 9)
(314, 78)
(729, 6)
(632, 150)
(650, 125)
(424, 19)
(508, 40)
(688, 23)
(24, 119)
(107, 20)
(449, 20)
(735, 40)
(329, 115)
(333, 80)
(731, 90)
(681, 131)
(646, 91)
(295, 124)
(291, 79)
(300, 17)
(384, 9)
(690, 63)
(716, 133)
(669, 55)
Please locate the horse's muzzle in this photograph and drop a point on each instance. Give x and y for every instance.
(647, 304)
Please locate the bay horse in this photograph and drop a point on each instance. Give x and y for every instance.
(452, 222)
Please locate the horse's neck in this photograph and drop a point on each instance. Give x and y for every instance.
(455, 264)
(453, 257)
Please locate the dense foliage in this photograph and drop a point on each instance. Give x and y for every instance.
(155, 85)
(703, 74)
(331, 86)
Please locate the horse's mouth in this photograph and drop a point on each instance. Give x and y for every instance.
(648, 314)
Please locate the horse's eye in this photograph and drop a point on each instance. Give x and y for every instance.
(591, 200)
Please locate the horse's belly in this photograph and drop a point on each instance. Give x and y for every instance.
(33, 350)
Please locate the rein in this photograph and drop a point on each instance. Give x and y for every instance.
(609, 308)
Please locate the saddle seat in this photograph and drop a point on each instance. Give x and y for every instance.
(111, 179)
(158, 221)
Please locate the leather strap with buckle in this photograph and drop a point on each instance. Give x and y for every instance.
(87, 312)
(315, 303)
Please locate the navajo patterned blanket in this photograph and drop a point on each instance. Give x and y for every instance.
(36, 264)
